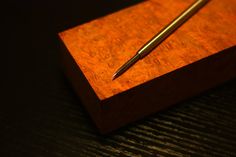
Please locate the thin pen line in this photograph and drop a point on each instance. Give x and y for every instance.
(161, 36)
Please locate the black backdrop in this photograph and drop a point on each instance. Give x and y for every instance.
(41, 115)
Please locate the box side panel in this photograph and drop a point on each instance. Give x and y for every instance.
(168, 89)
(81, 86)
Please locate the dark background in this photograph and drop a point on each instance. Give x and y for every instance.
(41, 116)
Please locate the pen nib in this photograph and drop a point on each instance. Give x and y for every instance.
(114, 76)
(124, 67)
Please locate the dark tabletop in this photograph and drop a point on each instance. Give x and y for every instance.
(42, 116)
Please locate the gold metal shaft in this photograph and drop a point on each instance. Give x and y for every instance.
(162, 35)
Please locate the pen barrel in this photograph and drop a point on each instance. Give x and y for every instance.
(169, 29)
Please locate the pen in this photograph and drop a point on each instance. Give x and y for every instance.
(162, 35)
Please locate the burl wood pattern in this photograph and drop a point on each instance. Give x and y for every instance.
(101, 46)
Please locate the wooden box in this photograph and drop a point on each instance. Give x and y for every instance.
(199, 55)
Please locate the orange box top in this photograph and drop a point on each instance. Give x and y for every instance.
(101, 46)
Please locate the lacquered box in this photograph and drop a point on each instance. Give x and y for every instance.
(199, 55)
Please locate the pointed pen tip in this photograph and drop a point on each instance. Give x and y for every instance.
(114, 76)
(125, 66)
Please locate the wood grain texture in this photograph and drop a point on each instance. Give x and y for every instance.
(43, 117)
(202, 126)
(99, 47)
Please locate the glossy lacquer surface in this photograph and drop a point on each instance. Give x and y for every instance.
(42, 116)
(101, 46)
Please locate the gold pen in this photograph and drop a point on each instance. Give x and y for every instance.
(162, 35)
